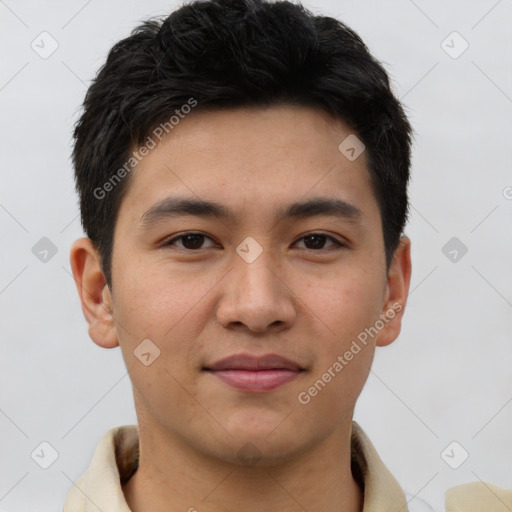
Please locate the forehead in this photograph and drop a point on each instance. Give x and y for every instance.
(250, 160)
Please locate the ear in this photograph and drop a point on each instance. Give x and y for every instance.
(397, 289)
(94, 293)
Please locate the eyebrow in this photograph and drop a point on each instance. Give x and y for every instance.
(180, 206)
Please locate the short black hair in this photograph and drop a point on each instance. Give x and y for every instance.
(217, 54)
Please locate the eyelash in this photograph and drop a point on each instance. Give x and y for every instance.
(169, 243)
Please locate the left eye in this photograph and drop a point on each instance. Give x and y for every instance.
(194, 241)
(318, 239)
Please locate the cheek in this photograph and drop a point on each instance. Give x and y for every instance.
(169, 308)
(332, 392)
(340, 314)
(342, 305)
(152, 300)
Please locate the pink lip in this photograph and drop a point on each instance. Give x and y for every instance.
(254, 373)
(247, 361)
(257, 381)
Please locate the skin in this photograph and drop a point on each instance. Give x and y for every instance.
(296, 300)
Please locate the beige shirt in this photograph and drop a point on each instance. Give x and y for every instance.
(116, 459)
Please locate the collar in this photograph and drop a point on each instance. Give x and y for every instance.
(116, 458)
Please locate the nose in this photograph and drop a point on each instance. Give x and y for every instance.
(256, 297)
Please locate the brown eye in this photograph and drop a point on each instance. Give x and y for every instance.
(316, 241)
(189, 241)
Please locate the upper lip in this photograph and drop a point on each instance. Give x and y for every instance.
(254, 362)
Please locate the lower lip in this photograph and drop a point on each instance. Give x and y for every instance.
(257, 381)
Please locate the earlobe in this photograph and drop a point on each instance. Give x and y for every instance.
(398, 281)
(94, 293)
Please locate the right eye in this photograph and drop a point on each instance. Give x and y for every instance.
(189, 241)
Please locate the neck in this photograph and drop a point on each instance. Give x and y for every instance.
(174, 477)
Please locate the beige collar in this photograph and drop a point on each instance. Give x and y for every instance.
(116, 458)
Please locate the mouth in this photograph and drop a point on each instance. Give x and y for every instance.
(256, 374)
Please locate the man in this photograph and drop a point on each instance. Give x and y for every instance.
(242, 168)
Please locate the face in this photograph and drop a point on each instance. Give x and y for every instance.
(253, 276)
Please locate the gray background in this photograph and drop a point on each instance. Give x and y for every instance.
(448, 376)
